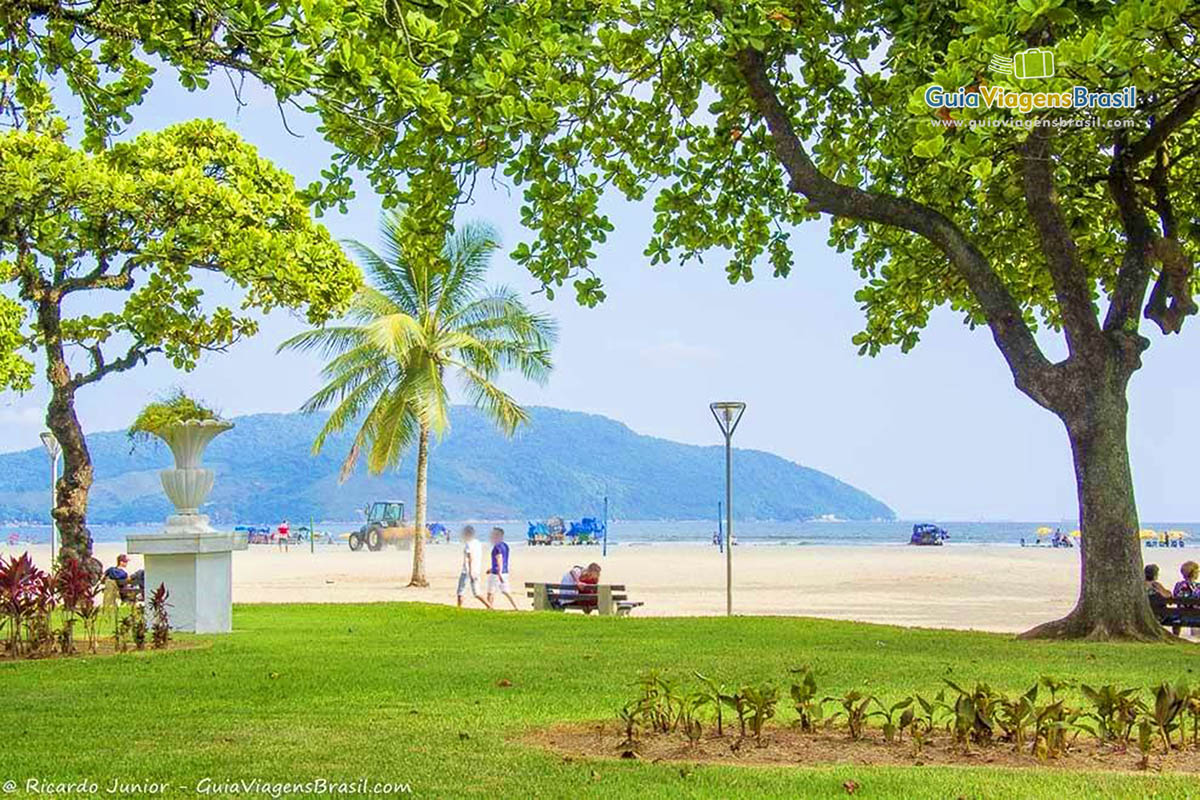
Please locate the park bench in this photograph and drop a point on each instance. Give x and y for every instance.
(606, 599)
(1176, 611)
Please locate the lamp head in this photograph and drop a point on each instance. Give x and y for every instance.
(727, 414)
(50, 443)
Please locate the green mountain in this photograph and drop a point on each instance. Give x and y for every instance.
(563, 463)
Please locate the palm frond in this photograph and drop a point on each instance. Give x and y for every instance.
(328, 340)
(493, 401)
(467, 256)
(387, 278)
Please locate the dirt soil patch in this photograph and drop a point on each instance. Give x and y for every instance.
(833, 747)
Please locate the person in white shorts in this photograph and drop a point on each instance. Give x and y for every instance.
(497, 573)
(472, 565)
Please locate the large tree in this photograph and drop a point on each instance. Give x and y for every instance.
(101, 259)
(423, 322)
(744, 120)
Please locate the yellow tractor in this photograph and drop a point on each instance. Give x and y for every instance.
(385, 525)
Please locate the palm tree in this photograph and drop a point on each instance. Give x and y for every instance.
(418, 322)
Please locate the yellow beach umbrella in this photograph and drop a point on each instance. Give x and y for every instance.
(1176, 535)
(1075, 534)
(1044, 531)
(1146, 533)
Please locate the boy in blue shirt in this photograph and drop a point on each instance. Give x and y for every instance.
(498, 569)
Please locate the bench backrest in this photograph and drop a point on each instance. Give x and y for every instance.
(568, 587)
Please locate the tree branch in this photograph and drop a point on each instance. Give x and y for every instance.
(1029, 365)
(1156, 137)
(137, 354)
(1170, 301)
(1071, 286)
(1171, 298)
(99, 278)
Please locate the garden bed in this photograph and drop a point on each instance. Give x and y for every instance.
(106, 648)
(783, 746)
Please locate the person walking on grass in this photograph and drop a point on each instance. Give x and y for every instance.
(498, 570)
(471, 565)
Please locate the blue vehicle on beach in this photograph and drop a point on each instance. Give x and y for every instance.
(588, 530)
(925, 534)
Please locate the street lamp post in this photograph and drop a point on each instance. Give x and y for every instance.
(728, 415)
(53, 448)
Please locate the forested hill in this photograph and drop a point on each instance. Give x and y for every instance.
(563, 463)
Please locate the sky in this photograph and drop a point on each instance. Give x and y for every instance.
(939, 433)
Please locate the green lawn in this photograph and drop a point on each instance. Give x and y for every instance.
(408, 693)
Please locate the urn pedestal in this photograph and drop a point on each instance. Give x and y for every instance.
(192, 559)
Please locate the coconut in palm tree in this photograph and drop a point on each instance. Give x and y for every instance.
(420, 323)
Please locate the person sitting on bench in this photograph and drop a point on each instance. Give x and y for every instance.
(1153, 587)
(1188, 587)
(589, 578)
(130, 585)
(570, 586)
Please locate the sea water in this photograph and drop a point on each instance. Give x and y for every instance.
(657, 532)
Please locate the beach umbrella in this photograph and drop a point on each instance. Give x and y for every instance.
(1074, 534)
(1146, 533)
(1044, 531)
(1176, 535)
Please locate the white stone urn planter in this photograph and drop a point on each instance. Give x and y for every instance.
(189, 484)
(194, 561)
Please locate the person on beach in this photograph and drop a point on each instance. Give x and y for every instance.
(1153, 587)
(472, 564)
(498, 570)
(283, 532)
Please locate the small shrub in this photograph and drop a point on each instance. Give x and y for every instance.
(762, 701)
(161, 621)
(896, 717)
(854, 709)
(713, 695)
(22, 592)
(1165, 712)
(975, 714)
(76, 588)
(138, 629)
(659, 701)
(632, 719)
(1114, 712)
(1016, 715)
(741, 707)
(804, 699)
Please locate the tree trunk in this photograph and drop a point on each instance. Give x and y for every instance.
(71, 493)
(1112, 595)
(418, 568)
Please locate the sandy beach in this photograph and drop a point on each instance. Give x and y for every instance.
(991, 588)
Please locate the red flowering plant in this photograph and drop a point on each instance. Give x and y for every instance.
(26, 598)
(76, 588)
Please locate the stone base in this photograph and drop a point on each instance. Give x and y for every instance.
(195, 563)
